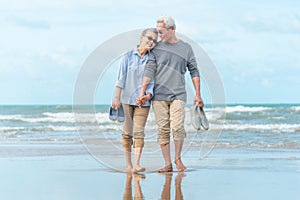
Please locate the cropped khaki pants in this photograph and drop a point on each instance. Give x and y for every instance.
(169, 115)
(134, 125)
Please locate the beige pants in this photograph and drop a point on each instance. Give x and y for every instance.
(169, 115)
(134, 125)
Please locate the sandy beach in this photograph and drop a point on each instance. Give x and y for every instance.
(68, 172)
(42, 156)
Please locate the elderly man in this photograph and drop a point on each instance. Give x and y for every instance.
(167, 65)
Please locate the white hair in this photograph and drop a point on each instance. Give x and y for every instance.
(168, 21)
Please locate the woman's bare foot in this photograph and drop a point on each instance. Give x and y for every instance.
(138, 168)
(179, 165)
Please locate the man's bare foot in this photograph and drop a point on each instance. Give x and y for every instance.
(179, 165)
(167, 168)
(129, 170)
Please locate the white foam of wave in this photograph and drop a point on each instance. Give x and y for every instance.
(10, 117)
(230, 109)
(114, 126)
(288, 145)
(78, 117)
(273, 128)
(50, 128)
(47, 117)
(37, 128)
(99, 118)
(10, 129)
(256, 128)
(54, 128)
(61, 117)
(276, 145)
(296, 108)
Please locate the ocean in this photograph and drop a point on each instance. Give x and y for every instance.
(244, 125)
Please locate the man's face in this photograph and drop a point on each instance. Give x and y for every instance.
(163, 32)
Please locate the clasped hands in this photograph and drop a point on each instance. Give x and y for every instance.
(142, 99)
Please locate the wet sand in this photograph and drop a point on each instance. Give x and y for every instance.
(68, 172)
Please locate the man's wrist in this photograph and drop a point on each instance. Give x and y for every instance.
(149, 95)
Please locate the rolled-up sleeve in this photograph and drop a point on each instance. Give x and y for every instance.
(150, 67)
(192, 64)
(122, 72)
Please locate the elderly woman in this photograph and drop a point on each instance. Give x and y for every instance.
(128, 88)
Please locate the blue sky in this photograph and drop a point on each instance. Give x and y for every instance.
(253, 44)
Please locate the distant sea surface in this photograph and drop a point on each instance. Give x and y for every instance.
(260, 126)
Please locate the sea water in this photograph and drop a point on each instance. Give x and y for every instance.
(263, 126)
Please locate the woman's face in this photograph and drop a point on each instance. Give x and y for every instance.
(149, 40)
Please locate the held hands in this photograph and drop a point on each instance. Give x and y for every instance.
(141, 100)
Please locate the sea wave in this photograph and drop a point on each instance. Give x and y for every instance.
(10, 117)
(49, 128)
(60, 117)
(70, 117)
(68, 121)
(272, 128)
(296, 108)
(276, 145)
(231, 109)
(114, 126)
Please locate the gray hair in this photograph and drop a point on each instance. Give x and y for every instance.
(168, 21)
(149, 30)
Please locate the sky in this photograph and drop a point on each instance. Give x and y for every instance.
(254, 45)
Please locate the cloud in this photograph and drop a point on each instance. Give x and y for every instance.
(29, 5)
(277, 24)
(266, 83)
(57, 56)
(28, 23)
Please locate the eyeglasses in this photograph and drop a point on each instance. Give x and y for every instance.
(151, 39)
(161, 32)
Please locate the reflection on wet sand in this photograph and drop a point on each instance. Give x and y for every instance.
(166, 190)
(137, 187)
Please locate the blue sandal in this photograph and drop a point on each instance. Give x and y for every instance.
(199, 118)
(113, 114)
(120, 114)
